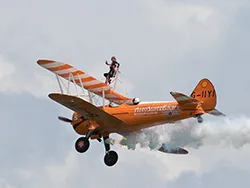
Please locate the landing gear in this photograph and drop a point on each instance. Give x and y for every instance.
(82, 144)
(111, 157)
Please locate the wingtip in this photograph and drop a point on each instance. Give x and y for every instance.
(44, 61)
(172, 92)
(38, 61)
(52, 95)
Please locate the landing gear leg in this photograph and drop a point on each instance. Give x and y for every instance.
(90, 132)
(111, 157)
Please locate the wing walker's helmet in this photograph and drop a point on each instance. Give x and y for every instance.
(113, 58)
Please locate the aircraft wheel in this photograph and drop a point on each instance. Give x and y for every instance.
(82, 144)
(110, 158)
(200, 119)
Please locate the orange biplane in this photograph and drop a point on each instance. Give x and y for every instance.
(129, 114)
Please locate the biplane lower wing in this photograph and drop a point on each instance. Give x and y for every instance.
(84, 80)
(89, 111)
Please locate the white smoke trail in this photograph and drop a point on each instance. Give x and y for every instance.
(225, 132)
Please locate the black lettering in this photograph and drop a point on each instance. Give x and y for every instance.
(202, 94)
(198, 95)
(209, 93)
(213, 93)
(205, 94)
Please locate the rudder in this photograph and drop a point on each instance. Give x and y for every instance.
(205, 92)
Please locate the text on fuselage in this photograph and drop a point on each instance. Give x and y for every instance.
(164, 109)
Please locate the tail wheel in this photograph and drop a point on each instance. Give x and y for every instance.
(110, 158)
(82, 144)
(199, 118)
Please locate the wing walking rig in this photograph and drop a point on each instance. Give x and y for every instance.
(85, 81)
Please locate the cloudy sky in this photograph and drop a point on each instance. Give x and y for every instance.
(163, 46)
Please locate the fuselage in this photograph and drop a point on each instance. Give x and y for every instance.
(137, 117)
(148, 114)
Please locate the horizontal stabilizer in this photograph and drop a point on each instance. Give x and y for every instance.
(169, 148)
(185, 100)
(216, 112)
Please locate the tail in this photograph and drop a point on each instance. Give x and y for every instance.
(205, 92)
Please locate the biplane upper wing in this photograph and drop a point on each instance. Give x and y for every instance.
(84, 80)
(89, 111)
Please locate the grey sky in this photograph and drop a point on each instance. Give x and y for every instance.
(162, 46)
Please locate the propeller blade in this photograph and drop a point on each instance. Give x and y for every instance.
(64, 119)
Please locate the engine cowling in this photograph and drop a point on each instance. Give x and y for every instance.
(82, 125)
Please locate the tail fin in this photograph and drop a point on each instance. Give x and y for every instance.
(205, 92)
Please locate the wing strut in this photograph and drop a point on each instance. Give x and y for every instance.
(103, 98)
(72, 77)
(59, 83)
(90, 97)
(116, 78)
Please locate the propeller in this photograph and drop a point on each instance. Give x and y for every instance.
(64, 119)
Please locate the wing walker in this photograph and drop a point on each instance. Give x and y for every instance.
(95, 120)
